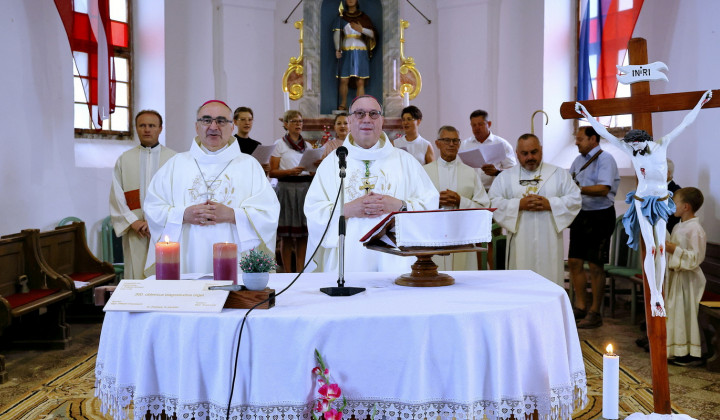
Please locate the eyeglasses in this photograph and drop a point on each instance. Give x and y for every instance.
(207, 121)
(361, 114)
(295, 121)
(526, 182)
(451, 141)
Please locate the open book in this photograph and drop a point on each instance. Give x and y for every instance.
(432, 228)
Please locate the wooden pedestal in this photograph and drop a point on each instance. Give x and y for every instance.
(424, 270)
(246, 299)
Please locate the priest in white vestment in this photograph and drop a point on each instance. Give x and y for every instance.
(381, 179)
(460, 187)
(212, 193)
(133, 171)
(535, 201)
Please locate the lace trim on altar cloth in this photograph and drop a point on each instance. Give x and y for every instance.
(116, 401)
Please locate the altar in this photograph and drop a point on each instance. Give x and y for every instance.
(495, 344)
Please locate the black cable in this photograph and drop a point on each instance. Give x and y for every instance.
(242, 325)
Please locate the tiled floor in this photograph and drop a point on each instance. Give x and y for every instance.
(695, 390)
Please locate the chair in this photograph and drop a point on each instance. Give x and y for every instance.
(112, 248)
(625, 265)
(494, 257)
(68, 220)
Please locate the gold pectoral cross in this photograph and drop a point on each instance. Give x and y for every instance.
(366, 185)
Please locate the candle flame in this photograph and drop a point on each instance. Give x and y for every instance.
(609, 349)
(167, 238)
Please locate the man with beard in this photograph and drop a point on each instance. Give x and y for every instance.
(535, 201)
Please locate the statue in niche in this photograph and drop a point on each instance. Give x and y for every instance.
(354, 37)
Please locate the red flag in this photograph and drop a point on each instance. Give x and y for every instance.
(618, 27)
(90, 37)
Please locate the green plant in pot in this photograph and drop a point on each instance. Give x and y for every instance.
(256, 267)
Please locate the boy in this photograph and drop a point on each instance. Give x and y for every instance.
(686, 282)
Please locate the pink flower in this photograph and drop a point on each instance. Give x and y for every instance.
(333, 414)
(322, 405)
(330, 391)
(316, 370)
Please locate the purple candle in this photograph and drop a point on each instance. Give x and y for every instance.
(167, 260)
(225, 263)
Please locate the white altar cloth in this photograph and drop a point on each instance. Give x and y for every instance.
(494, 343)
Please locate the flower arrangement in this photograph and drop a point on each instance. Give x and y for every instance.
(326, 405)
(257, 262)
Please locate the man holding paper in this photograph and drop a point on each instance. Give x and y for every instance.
(380, 179)
(460, 188)
(496, 158)
(535, 201)
(211, 193)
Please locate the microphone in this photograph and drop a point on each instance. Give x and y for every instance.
(342, 153)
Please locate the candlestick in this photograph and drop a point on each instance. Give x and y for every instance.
(395, 75)
(286, 96)
(167, 260)
(611, 383)
(225, 261)
(309, 76)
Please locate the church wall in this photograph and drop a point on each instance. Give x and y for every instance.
(41, 183)
(686, 36)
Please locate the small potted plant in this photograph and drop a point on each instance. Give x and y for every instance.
(256, 267)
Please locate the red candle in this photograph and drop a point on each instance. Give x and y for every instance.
(167, 260)
(225, 263)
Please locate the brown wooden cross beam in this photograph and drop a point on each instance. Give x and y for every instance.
(641, 104)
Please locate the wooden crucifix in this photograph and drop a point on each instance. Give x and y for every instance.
(641, 104)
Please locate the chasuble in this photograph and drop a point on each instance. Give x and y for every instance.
(228, 177)
(535, 240)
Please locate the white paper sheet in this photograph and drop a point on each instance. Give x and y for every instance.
(483, 155)
(262, 153)
(310, 156)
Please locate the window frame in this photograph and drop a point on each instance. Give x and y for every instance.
(127, 54)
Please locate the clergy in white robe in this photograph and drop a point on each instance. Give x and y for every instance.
(212, 193)
(460, 187)
(380, 179)
(685, 279)
(535, 201)
(133, 171)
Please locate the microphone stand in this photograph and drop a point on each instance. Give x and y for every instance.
(341, 290)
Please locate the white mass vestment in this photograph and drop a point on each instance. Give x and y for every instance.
(228, 177)
(461, 178)
(684, 289)
(534, 238)
(391, 172)
(133, 171)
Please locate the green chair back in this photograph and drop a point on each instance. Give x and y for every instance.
(68, 220)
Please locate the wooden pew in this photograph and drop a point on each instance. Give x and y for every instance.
(35, 318)
(710, 316)
(65, 251)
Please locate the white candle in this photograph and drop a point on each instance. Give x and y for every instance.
(611, 383)
(286, 95)
(394, 74)
(406, 99)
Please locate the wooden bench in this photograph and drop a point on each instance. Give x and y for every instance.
(65, 251)
(710, 316)
(34, 317)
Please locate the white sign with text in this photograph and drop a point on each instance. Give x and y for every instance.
(167, 296)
